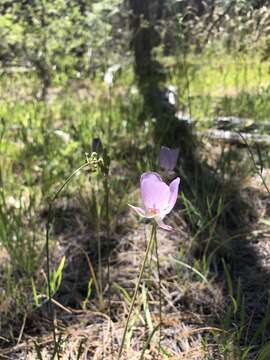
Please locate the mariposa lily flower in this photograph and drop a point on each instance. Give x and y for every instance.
(158, 198)
(168, 158)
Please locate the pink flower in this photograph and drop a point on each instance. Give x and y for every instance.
(158, 198)
(168, 158)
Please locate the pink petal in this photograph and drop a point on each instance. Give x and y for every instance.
(168, 158)
(174, 186)
(155, 193)
(163, 226)
(138, 210)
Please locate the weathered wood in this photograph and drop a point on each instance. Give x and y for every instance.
(232, 130)
(240, 124)
(234, 138)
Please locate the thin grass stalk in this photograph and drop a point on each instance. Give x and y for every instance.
(95, 281)
(149, 341)
(100, 280)
(259, 172)
(107, 221)
(149, 246)
(47, 250)
(48, 270)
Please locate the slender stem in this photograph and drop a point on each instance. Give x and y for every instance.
(100, 279)
(149, 245)
(92, 272)
(148, 341)
(50, 303)
(107, 219)
(47, 249)
(68, 180)
(159, 291)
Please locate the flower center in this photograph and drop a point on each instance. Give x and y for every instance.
(153, 211)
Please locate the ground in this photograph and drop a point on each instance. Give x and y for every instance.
(194, 304)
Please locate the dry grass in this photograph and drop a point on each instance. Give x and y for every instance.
(183, 305)
(192, 309)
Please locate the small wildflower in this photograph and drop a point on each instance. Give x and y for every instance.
(158, 198)
(168, 158)
(96, 145)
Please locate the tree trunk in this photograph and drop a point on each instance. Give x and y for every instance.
(151, 77)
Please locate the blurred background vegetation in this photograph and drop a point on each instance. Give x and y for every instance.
(136, 74)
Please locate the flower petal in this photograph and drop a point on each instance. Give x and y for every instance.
(155, 193)
(138, 210)
(162, 225)
(174, 186)
(168, 158)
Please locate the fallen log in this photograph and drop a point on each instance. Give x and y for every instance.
(235, 138)
(232, 130)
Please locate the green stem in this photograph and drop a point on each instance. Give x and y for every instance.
(159, 290)
(47, 248)
(50, 304)
(75, 172)
(107, 219)
(149, 246)
(149, 341)
(100, 278)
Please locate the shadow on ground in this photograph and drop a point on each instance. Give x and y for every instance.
(224, 212)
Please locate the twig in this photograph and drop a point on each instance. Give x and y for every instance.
(22, 329)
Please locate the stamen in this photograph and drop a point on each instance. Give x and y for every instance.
(153, 211)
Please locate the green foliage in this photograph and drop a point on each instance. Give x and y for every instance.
(19, 233)
(223, 85)
(56, 276)
(264, 352)
(57, 41)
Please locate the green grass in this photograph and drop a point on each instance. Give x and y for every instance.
(218, 83)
